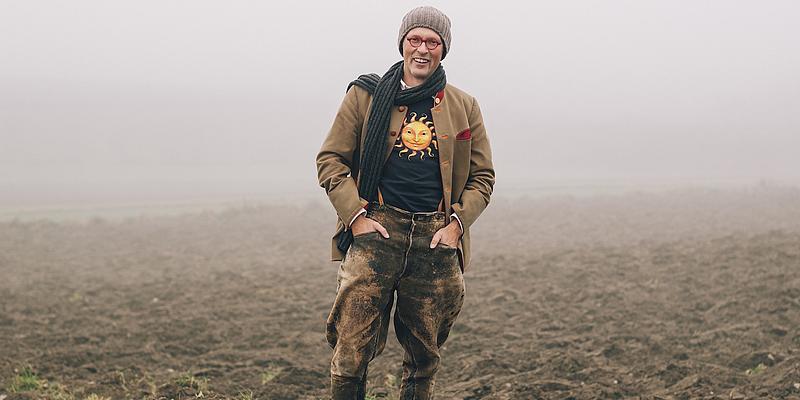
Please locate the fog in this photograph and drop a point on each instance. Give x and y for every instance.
(148, 101)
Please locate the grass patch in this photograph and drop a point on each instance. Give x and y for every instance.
(188, 380)
(248, 395)
(757, 370)
(96, 397)
(270, 374)
(148, 381)
(26, 381)
(55, 391)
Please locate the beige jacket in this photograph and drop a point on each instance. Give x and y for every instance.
(465, 158)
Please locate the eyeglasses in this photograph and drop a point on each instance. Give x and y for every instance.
(416, 41)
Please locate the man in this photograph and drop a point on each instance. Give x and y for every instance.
(407, 166)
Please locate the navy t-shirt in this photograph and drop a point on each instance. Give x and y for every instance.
(411, 177)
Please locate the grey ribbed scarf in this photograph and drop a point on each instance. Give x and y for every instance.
(385, 93)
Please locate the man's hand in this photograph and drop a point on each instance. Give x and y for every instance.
(448, 235)
(363, 225)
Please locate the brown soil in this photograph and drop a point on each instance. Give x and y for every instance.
(685, 295)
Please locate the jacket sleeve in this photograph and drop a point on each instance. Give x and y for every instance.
(480, 182)
(335, 159)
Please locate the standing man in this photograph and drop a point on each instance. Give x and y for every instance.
(408, 168)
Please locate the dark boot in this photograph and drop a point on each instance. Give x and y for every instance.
(344, 388)
(416, 389)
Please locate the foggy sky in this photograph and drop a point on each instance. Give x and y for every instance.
(212, 97)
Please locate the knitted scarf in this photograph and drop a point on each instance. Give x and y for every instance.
(386, 94)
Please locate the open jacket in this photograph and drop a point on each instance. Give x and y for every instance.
(465, 158)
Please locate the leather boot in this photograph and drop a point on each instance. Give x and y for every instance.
(417, 389)
(345, 388)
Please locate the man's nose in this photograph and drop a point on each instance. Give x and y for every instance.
(423, 48)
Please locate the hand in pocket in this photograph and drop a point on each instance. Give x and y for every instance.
(363, 225)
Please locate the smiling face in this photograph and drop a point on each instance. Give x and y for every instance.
(417, 138)
(419, 62)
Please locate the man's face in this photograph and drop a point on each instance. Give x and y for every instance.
(419, 62)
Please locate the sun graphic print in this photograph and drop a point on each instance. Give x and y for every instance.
(417, 137)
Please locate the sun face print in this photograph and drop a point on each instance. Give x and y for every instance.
(417, 137)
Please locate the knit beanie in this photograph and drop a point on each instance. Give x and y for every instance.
(426, 17)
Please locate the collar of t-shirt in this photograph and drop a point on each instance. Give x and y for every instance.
(403, 86)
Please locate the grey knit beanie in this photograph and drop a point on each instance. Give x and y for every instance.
(426, 17)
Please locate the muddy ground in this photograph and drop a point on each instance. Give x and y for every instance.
(684, 294)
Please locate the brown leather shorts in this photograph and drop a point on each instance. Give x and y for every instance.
(429, 287)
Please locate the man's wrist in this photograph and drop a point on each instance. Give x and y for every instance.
(362, 211)
(455, 217)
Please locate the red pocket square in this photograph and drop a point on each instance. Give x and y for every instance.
(464, 135)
